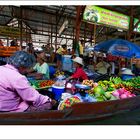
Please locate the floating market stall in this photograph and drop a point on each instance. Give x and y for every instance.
(80, 102)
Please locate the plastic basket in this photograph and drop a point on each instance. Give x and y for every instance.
(126, 76)
(35, 84)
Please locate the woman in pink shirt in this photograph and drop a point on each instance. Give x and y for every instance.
(79, 72)
(16, 94)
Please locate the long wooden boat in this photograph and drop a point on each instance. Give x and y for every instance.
(77, 114)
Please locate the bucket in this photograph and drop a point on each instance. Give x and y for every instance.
(58, 92)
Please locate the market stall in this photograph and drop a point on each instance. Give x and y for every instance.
(69, 92)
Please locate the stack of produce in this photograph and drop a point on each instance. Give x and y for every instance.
(122, 93)
(46, 83)
(113, 89)
(91, 84)
(58, 73)
(68, 102)
(134, 82)
(40, 84)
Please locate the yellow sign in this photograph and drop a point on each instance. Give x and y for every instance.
(12, 32)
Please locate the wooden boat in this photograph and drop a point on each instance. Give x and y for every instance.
(77, 114)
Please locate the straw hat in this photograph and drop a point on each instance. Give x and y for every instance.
(127, 71)
(78, 60)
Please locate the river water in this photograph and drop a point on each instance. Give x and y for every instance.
(127, 118)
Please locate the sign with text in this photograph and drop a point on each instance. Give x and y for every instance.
(12, 32)
(100, 15)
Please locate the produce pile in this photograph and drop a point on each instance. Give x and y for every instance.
(58, 73)
(68, 102)
(46, 83)
(113, 89)
(40, 84)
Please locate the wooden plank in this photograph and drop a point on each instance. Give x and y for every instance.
(34, 115)
(105, 107)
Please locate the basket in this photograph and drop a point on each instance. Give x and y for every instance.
(126, 76)
(36, 83)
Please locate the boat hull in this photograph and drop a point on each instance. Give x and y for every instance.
(78, 114)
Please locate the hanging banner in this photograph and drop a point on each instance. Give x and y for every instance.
(12, 32)
(137, 29)
(100, 15)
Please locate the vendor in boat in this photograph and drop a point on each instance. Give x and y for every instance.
(136, 68)
(16, 94)
(79, 72)
(102, 66)
(41, 68)
(59, 54)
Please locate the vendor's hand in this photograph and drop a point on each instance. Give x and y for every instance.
(53, 102)
(38, 76)
(69, 78)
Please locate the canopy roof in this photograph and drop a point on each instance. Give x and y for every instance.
(47, 20)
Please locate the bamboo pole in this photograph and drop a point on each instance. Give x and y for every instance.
(20, 28)
(94, 35)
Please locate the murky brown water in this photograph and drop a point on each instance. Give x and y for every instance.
(128, 118)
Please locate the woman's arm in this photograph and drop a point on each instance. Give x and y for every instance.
(28, 93)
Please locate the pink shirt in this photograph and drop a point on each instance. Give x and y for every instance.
(16, 94)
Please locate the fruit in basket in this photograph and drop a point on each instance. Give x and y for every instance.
(58, 73)
(122, 93)
(68, 102)
(99, 90)
(88, 83)
(100, 99)
(123, 96)
(116, 94)
(46, 83)
(108, 95)
(113, 97)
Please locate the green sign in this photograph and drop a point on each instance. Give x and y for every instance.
(12, 32)
(103, 16)
(137, 29)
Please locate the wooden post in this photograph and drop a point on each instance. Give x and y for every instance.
(56, 33)
(91, 36)
(73, 33)
(78, 23)
(51, 34)
(130, 31)
(79, 14)
(7, 41)
(94, 36)
(85, 33)
(20, 24)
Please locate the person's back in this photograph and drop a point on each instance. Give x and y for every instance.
(136, 68)
(14, 43)
(16, 94)
(1, 43)
(9, 99)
